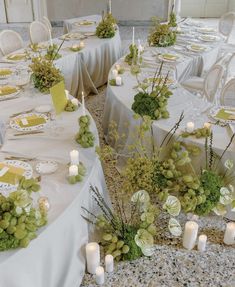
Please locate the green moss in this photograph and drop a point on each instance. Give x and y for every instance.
(129, 239)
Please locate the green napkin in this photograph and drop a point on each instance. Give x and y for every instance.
(16, 57)
(59, 97)
(33, 121)
(10, 178)
(223, 115)
(5, 72)
(7, 90)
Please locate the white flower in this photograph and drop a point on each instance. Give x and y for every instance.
(226, 196)
(147, 250)
(220, 209)
(174, 227)
(141, 196)
(172, 205)
(228, 164)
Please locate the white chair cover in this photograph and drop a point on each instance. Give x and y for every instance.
(228, 94)
(10, 41)
(38, 32)
(226, 24)
(47, 22)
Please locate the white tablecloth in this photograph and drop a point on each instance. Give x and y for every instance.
(73, 24)
(56, 256)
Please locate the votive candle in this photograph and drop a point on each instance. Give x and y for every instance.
(201, 245)
(109, 263)
(73, 170)
(115, 73)
(118, 81)
(207, 125)
(74, 157)
(118, 67)
(99, 275)
(229, 235)
(190, 235)
(82, 44)
(190, 127)
(92, 257)
(74, 101)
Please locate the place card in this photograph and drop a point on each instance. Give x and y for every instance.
(24, 122)
(59, 97)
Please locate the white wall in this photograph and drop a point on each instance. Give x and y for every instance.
(122, 9)
(2, 12)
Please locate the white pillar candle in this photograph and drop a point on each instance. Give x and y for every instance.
(99, 275)
(109, 263)
(92, 257)
(73, 170)
(133, 36)
(229, 235)
(190, 235)
(82, 44)
(67, 94)
(190, 127)
(114, 73)
(118, 67)
(118, 81)
(74, 157)
(74, 102)
(207, 125)
(83, 105)
(201, 245)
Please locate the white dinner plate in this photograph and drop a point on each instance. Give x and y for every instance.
(11, 95)
(5, 73)
(14, 123)
(230, 110)
(28, 172)
(46, 167)
(206, 30)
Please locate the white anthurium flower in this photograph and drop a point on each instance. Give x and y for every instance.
(141, 196)
(143, 238)
(172, 205)
(148, 217)
(220, 209)
(228, 164)
(174, 227)
(226, 196)
(147, 250)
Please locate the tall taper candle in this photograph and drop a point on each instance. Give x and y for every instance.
(133, 36)
(190, 235)
(229, 235)
(92, 257)
(110, 6)
(83, 105)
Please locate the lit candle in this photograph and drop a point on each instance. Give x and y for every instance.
(74, 102)
(83, 105)
(190, 235)
(201, 245)
(115, 73)
(133, 36)
(229, 235)
(73, 170)
(118, 67)
(195, 217)
(99, 275)
(207, 125)
(67, 94)
(190, 127)
(109, 263)
(82, 44)
(92, 257)
(118, 81)
(44, 203)
(74, 157)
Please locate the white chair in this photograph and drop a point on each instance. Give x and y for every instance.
(10, 41)
(38, 32)
(226, 25)
(207, 86)
(230, 67)
(228, 94)
(47, 22)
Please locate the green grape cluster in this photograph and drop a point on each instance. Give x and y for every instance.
(85, 137)
(132, 57)
(70, 107)
(52, 53)
(31, 185)
(79, 177)
(112, 82)
(106, 28)
(18, 223)
(198, 133)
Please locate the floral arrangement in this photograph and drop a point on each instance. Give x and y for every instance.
(172, 22)
(79, 177)
(53, 52)
(152, 98)
(106, 28)
(127, 236)
(19, 220)
(132, 57)
(85, 137)
(70, 107)
(45, 75)
(161, 35)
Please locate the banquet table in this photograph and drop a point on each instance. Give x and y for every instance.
(56, 256)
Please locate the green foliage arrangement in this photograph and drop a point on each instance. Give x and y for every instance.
(161, 35)
(70, 107)
(132, 57)
(19, 220)
(173, 19)
(52, 53)
(80, 176)
(85, 137)
(198, 133)
(107, 26)
(153, 103)
(45, 74)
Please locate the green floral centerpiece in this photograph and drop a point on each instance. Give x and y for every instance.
(19, 219)
(85, 137)
(132, 57)
(107, 26)
(153, 102)
(53, 52)
(173, 19)
(162, 35)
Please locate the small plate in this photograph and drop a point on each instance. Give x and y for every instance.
(46, 167)
(43, 109)
(85, 23)
(72, 36)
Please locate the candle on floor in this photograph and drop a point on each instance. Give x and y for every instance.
(115, 73)
(109, 263)
(201, 245)
(73, 170)
(82, 44)
(118, 81)
(133, 36)
(190, 235)
(92, 257)
(83, 105)
(74, 157)
(229, 235)
(190, 127)
(207, 125)
(74, 102)
(99, 275)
